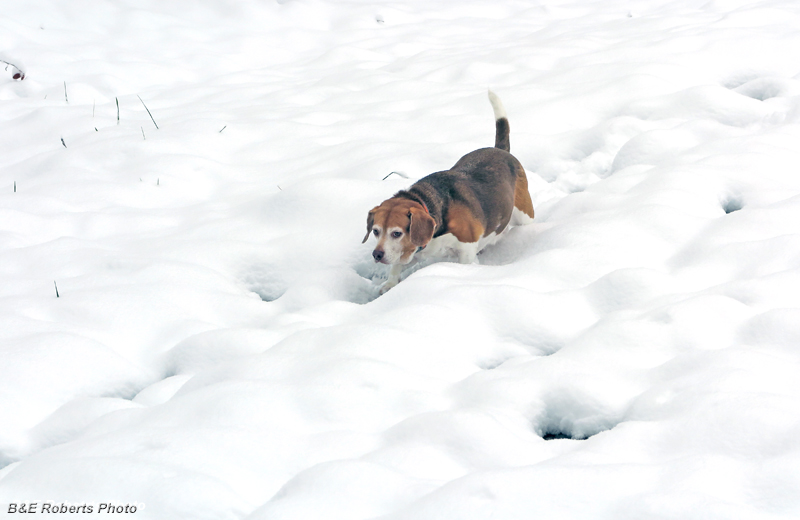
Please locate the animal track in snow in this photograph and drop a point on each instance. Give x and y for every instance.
(267, 290)
(731, 204)
(761, 88)
(569, 415)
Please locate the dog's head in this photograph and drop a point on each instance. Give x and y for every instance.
(401, 227)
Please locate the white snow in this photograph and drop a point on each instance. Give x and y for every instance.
(218, 348)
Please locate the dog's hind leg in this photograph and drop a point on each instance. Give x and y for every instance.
(523, 206)
(519, 218)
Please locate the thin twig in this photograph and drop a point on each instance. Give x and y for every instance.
(62, 142)
(65, 93)
(117, 100)
(19, 75)
(143, 136)
(223, 128)
(56, 286)
(148, 112)
(403, 175)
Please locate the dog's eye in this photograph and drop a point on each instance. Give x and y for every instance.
(376, 232)
(397, 234)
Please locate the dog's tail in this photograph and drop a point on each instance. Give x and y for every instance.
(502, 130)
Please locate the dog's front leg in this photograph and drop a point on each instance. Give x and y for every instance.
(394, 278)
(467, 252)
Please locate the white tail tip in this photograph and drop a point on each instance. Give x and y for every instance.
(497, 106)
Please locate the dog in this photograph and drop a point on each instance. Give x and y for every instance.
(463, 209)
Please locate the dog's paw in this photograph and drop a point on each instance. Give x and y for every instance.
(386, 286)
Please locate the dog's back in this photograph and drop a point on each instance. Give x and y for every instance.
(487, 183)
(482, 184)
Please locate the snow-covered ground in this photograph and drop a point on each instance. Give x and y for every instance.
(218, 348)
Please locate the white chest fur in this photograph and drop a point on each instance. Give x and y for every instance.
(446, 245)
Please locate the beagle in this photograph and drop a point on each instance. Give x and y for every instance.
(462, 209)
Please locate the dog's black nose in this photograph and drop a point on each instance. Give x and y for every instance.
(377, 255)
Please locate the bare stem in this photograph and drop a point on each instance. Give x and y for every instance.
(16, 72)
(148, 112)
(403, 175)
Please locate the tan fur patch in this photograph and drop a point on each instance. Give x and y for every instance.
(522, 198)
(463, 224)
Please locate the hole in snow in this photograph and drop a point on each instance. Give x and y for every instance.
(568, 415)
(265, 283)
(560, 430)
(761, 89)
(268, 293)
(549, 436)
(732, 204)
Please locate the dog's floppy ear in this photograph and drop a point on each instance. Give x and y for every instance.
(421, 227)
(370, 222)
